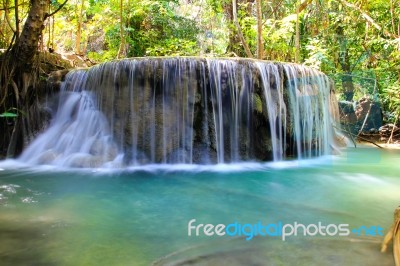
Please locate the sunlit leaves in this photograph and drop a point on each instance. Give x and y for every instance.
(8, 115)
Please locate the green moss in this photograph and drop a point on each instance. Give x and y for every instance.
(257, 103)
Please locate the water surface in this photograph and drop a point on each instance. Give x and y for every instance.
(140, 216)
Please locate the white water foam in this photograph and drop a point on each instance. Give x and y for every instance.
(131, 113)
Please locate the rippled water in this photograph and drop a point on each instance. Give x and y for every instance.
(140, 216)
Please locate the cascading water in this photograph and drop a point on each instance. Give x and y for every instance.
(187, 110)
(77, 130)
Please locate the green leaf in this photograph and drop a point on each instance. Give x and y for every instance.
(8, 114)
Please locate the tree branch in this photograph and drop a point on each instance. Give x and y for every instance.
(6, 16)
(260, 43)
(274, 9)
(11, 7)
(55, 11)
(352, 135)
(367, 18)
(304, 5)
(16, 18)
(240, 33)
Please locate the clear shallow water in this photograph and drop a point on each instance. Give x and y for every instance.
(140, 216)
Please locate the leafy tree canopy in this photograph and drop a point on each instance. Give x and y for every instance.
(356, 42)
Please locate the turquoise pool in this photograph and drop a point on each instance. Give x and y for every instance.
(140, 216)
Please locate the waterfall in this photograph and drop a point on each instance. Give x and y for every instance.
(187, 110)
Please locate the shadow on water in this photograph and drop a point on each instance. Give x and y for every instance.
(24, 243)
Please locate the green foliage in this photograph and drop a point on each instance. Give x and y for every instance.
(174, 47)
(155, 29)
(150, 28)
(257, 103)
(8, 115)
(318, 55)
(334, 37)
(102, 56)
(12, 113)
(391, 100)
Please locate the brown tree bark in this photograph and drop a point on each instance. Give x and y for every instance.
(79, 29)
(26, 47)
(18, 74)
(260, 43)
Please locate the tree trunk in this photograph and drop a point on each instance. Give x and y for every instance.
(16, 18)
(227, 7)
(26, 46)
(260, 43)
(122, 45)
(344, 61)
(18, 74)
(239, 30)
(297, 54)
(79, 30)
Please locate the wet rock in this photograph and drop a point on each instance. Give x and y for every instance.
(57, 76)
(389, 130)
(85, 161)
(347, 113)
(47, 157)
(135, 158)
(104, 148)
(369, 110)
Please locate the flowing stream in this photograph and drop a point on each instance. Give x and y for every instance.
(141, 152)
(140, 215)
